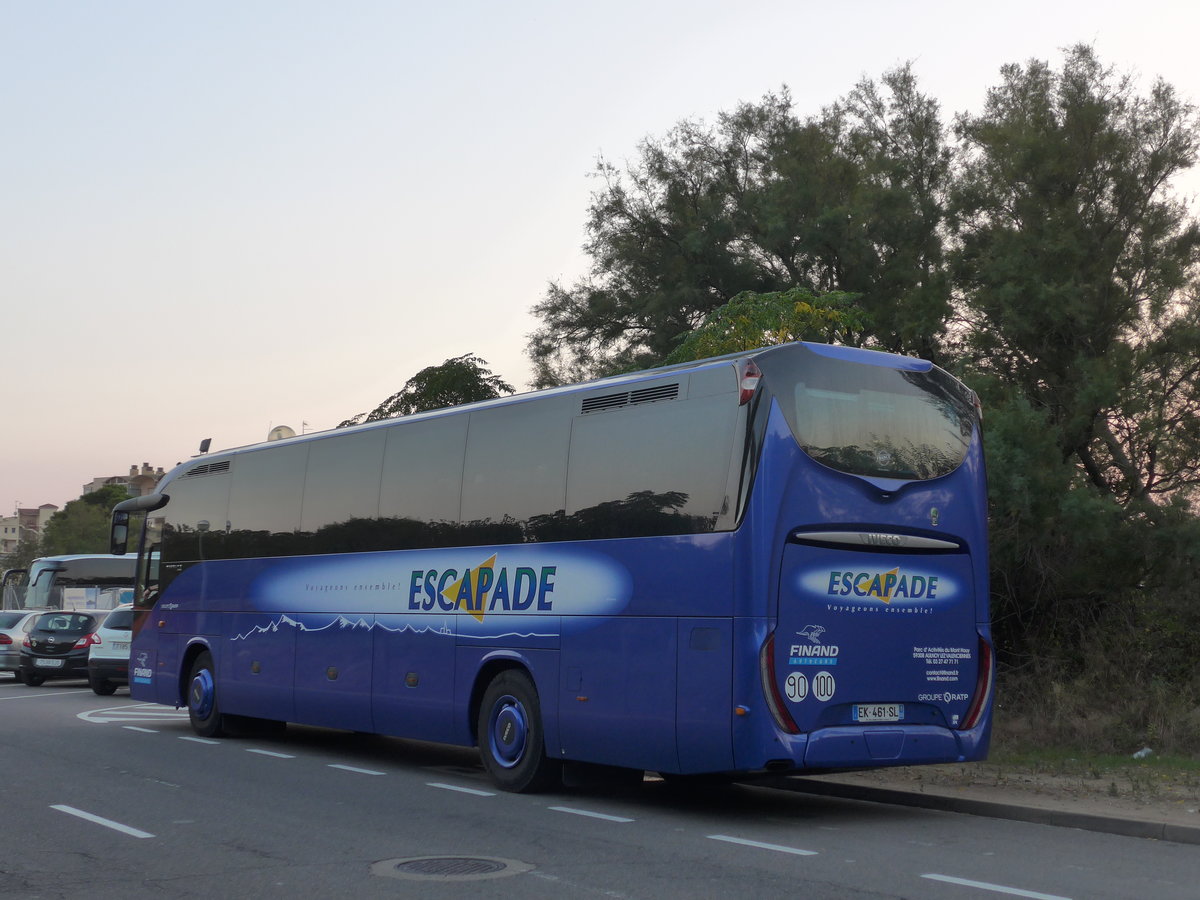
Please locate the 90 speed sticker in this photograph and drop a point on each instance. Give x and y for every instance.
(796, 687)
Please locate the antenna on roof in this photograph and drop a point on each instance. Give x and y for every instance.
(205, 444)
(280, 432)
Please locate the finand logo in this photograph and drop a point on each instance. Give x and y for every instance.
(814, 653)
(142, 673)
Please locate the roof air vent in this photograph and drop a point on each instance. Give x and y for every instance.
(630, 398)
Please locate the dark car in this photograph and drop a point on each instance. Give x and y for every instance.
(57, 645)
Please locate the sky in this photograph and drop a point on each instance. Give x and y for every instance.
(220, 217)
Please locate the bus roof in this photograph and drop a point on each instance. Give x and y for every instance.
(851, 354)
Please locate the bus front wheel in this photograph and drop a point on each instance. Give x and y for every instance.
(203, 709)
(512, 742)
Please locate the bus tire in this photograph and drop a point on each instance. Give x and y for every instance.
(34, 679)
(202, 705)
(512, 741)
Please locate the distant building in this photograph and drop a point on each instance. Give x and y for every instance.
(138, 482)
(24, 524)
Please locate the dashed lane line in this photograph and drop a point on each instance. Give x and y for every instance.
(995, 888)
(778, 848)
(591, 815)
(461, 790)
(98, 820)
(355, 769)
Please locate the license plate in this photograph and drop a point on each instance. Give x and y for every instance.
(878, 712)
(48, 663)
(120, 645)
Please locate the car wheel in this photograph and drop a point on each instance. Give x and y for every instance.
(202, 705)
(34, 679)
(102, 686)
(512, 741)
(19, 675)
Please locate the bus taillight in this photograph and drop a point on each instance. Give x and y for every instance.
(983, 686)
(749, 375)
(766, 666)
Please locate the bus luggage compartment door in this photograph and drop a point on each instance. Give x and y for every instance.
(876, 653)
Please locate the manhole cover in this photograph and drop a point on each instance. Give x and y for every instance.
(449, 868)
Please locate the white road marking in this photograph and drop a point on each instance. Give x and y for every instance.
(107, 823)
(198, 740)
(461, 790)
(134, 712)
(271, 753)
(43, 695)
(998, 888)
(590, 814)
(779, 848)
(139, 728)
(355, 769)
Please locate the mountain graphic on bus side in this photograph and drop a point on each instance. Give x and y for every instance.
(342, 623)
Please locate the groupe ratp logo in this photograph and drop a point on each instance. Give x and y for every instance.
(943, 698)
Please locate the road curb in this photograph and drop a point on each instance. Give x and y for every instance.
(1162, 831)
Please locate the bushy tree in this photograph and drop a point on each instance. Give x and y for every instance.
(462, 379)
(1077, 272)
(850, 200)
(82, 526)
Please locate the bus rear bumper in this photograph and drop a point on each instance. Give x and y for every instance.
(845, 747)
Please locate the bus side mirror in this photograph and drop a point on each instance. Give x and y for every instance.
(119, 538)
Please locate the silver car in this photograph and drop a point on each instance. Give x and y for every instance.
(14, 625)
(108, 651)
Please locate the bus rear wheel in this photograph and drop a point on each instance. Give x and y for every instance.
(512, 742)
(202, 705)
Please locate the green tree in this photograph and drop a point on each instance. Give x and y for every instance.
(463, 379)
(29, 549)
(1078, 277)
(82, 526)
(752, 320)
(850, 200)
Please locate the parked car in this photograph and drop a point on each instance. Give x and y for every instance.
(108, 651)
(57, 645)
(14, 625)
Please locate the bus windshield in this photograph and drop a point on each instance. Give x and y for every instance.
(872, 420)
(80, 582)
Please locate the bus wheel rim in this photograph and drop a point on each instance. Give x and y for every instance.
(509, 731)
(202, 694)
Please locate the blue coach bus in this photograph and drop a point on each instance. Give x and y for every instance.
(774, 561)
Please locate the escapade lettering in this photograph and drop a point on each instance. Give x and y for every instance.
(515, 592)
(887, 586)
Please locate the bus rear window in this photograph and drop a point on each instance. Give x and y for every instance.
(872, 420)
